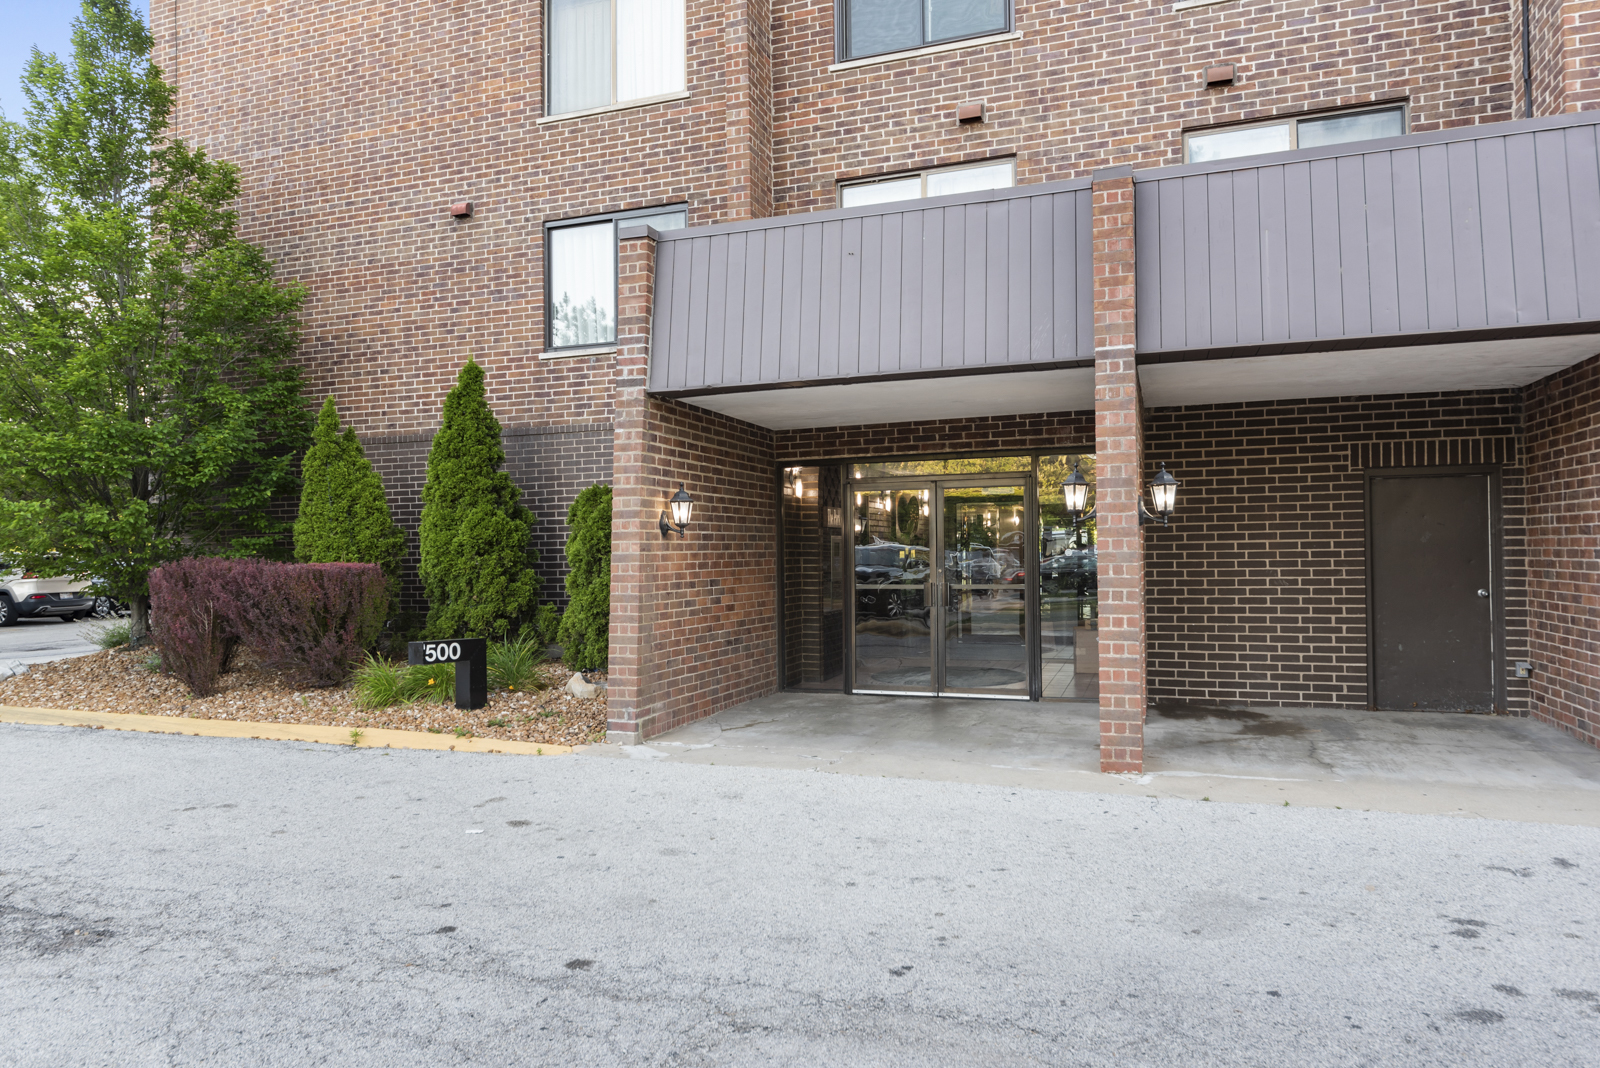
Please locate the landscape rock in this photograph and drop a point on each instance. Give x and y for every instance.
(12, 668)
(581, 689)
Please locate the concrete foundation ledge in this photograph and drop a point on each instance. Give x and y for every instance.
(370, 737)
(624, 737)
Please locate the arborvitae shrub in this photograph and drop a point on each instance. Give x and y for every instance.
(193, 626)
(586, 624)
(476, 553)
(344, 515)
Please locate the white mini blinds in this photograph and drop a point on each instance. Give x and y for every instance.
(937, 183)
(873, 27)
(1309, 132)
(604, 52)
(582, 288)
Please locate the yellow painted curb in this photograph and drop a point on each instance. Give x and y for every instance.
(371, 737)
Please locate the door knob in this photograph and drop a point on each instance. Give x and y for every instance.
(1483, 593)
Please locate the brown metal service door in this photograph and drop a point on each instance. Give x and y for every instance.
(1432, 585)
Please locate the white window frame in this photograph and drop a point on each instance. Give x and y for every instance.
(1294, 121)
(841, 18)
(880, 179)
(614, 104)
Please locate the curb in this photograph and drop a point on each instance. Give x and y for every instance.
(371, 737)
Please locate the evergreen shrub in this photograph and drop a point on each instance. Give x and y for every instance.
(475, 538)
(586, 624)
(344, 514)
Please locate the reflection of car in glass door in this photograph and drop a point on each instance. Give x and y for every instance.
(888, 564)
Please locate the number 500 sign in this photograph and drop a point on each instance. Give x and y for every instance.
(469, 655)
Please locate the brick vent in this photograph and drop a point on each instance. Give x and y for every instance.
(1448, 452)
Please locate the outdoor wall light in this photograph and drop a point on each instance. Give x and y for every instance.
(1163, 491)
(682, 505)
(1075, 491)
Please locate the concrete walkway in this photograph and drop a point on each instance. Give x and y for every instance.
(1419, 762)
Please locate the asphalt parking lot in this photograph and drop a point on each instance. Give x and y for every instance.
(38, 641)
(177, 900)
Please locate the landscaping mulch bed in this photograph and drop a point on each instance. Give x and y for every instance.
(120, 680)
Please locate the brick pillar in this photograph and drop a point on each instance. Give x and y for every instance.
(748, 159)
(1119, 463)
(634, 506)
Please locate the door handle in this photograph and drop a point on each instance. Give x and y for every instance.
(1483, 593)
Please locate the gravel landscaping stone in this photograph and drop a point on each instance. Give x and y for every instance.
(120, 680)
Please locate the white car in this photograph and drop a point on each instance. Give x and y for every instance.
(24, 595)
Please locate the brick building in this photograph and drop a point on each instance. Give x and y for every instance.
(874, 279)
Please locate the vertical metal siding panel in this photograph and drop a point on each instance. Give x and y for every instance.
(1017, 329)
(849, 358)
(716, 315)
(1327, 287)
(1043, 235)
(1274, 254)
(915, 322)
(1081, 263)
(788, 299)
(893, 295)
(1147, 264)
(1466, 215)
(761, 314)
(682, 297)
(1555, 218)
(1527, 238)
(1438, 240)
(810, 300)
(876, 297)
(1248, 282)
(1196, 271)
(1355, 287)
(734, 310)
(997, 278)
(1494, 207)
(659, 360)
(1300, 249)
(932, 266)
(1174, 291)
(1218, 261)
(1383, 288)
(699, 305)
(1583, 185)
(1411, 260)
(965, 285)
(830, 276)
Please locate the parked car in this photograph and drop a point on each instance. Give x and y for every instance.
(1071, 572)
(24, 595)
(888, 563)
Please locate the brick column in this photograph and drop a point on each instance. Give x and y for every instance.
(1119, 463)
(634, 506)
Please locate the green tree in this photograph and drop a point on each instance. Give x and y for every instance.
(586, 624)
(477, 554)
(147, 409)
(344, 515)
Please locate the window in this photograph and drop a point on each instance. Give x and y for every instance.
(1000, 174)
(605, 52)
(872, 27)
(581, 269)
(1311, 131)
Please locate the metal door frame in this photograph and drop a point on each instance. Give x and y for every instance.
(1497, 592)
(936, 627)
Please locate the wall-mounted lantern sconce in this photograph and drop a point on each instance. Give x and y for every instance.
(799, 485)
(1163, 491)
(682, 505)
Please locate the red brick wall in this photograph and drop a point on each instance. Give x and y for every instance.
(1092, 84)
(1563, 440)
(1547, 52)
(1580, 54)
(1257, 591)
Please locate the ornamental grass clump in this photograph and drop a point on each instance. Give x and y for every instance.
(380, 682)
(515, 664)
(586, 624)
(431, 682)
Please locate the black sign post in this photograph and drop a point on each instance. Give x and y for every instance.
(471, 658)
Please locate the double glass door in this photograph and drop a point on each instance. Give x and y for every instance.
(942, 586)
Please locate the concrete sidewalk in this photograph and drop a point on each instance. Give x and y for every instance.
(1420, 762)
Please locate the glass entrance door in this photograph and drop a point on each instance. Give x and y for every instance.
(942, 579)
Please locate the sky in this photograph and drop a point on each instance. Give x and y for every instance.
(45, 23)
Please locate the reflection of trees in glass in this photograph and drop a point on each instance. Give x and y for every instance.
(1053, 470)
(965, 465)
(580, 324)
(908, 519)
